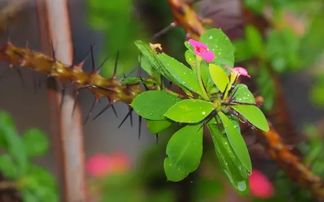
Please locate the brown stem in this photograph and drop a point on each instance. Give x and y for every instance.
(8, 185)
(67, 128)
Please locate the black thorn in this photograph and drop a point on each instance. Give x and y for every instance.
(102, 64)
(53, 51)
(21, 76)
(114, 110)
(93, 64)
(62, 97)
(145, 86)
(139, 126)
(164, 30)
(90, 110)
(103, 110)
(76, 97)
(156, 138)
(116, 64)
(124, 119)
(131, 116)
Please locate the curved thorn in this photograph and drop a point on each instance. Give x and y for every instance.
(103, 110)
(164, 30)
(125, 118)
(90, 111)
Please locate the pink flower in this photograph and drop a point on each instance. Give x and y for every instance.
(241, 71)
(202, 50)
(101, 165)
(260, 185)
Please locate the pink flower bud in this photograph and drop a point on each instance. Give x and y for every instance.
(101, 165)
(260, 185)
(241, 71)
(202, 50)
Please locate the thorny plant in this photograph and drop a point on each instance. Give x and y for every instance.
(209, 95)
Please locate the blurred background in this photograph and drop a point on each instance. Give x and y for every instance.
(283, 40)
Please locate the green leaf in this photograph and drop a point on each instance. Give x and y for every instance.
(189, 111)
(254, 115)
(219, 76)
(34, 137)
(157, 126)
(8, 167)
(153, 104)
(236, 141)
(14, 145)
(190, 58)
(254, 40)
(184, 151)
(221, 45)
(243, 94)
(228, 161)
(179, 73)
(150, 61)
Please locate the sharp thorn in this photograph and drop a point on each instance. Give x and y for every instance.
(145, 86)
(103, 110)
(62, 97)
(90, 111)
(76, 97)
(139, 126)
(116, 64)
(125, 118)
(93, 64)
(131, 116)
(102, 64)
(53, 51)
(114, 110)
(164, 30)
(156, 138)
(21, 76)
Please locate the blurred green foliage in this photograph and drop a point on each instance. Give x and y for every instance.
(120, 27)
(33, 182)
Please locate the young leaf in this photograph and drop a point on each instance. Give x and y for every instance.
(179, 73)
(153, 104)
(219, 76)
(228, 161)
(34, 137)
(150, 61)
(184, 152)
(243, 94)
(254, 115)
(189, 111)
(236, 141)
(157, 126)
(220, 44)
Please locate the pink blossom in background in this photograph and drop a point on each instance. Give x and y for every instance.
(260, 185)
(101, 165)
(241, 71)
(202, 50)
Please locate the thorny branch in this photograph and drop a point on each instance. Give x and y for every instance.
(185, 16)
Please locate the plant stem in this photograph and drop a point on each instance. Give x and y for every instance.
(65, 121)
(198, 72)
